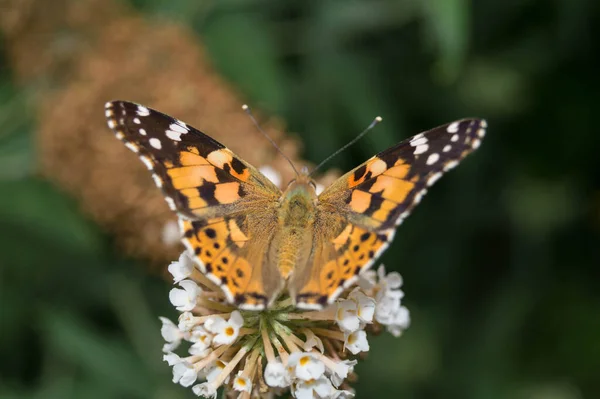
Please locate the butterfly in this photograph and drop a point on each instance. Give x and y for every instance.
(254, 240)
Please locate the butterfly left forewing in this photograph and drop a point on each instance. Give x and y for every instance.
(363, 207)
(224, 204)
(199, 176)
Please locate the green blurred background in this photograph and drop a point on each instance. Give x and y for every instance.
(500, 261)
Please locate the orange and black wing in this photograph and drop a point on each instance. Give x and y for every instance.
(363, 207)
(225, 205)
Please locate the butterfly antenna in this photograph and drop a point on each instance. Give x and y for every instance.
(354, 140)
(246, 108)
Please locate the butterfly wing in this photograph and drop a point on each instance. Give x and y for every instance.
(225, 205)
(359, 212)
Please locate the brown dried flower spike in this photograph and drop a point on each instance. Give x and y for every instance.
(79, 154)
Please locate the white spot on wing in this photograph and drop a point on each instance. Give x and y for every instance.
(447, 148)
(415, 142)
(476, 143)
(171, 203)
(433, 178)
(453, 127)
(137, 121)
(454, 138)
(419, 196)
(147, 162)
(142, 131)
(178, 127)
(154, 142)
(399, 221)
(450, 165)
(421, 149)
(109, 113)
(142, 111)
(481, 132)
(433, 158)
(132, 147)
(157, 180)
(112, 124)
(175, 136)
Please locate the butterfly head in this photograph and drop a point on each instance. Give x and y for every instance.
(301, 190)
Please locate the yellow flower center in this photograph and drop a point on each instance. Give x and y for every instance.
(304, 360)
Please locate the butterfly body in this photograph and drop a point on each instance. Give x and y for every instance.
(296, 221)
(256, 241)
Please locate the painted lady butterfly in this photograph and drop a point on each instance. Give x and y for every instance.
(254, 240)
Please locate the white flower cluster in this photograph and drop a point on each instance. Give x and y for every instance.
(270, 352)
(389, 310)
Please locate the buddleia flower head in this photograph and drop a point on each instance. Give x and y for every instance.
(310, 354)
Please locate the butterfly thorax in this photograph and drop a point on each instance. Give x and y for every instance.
(296, 219)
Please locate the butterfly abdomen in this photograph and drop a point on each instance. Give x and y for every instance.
(295, 233)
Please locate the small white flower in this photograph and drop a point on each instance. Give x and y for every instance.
(271, 174)
(226, 332)
(356, 342)
(385, 310)
(276, 375)
(171, 334)
(184, 374)
(241, 383)
(185, 299)
(365, 306)
(214, 369)
(200, 337)
(399, 322)
(182, 268)
(342, 394)
(367, 279)
(186, 321)
(305, 366)
(314, 388)
(341, 371)
(206, 390)
(312, 341)
(199, 350)
(172, 359)
(390, 282)
(346, 316)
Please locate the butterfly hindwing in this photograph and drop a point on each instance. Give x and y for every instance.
(363, 207)
(336, 263)
(224, 203)
(229, 258)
